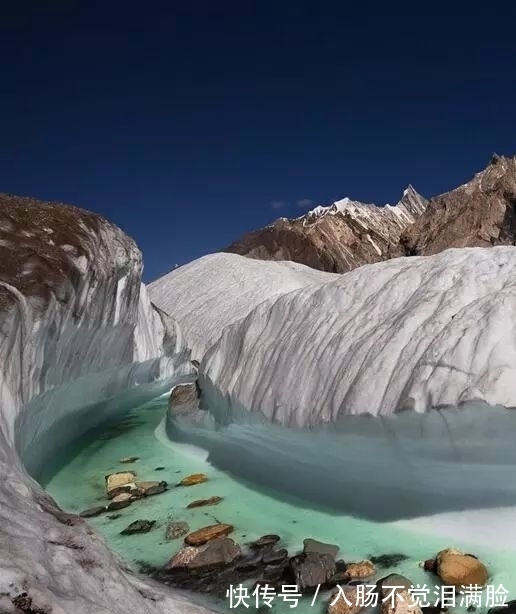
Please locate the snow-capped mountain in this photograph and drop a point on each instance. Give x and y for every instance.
(338, 238)
(348, 234)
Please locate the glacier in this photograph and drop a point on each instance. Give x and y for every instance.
(78, 334)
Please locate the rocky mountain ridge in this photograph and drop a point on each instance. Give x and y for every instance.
(349, 234)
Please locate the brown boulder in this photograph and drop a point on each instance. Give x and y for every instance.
(457, 569)
(147, 489)
(115, 482)
(362, 569)
(347, 604)
(192, 480)
(202, 502)
(206, 534)
(120, 501)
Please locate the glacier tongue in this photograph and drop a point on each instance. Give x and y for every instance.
(76, 329)
(409, 333)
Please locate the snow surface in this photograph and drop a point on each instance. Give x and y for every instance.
(219, 289)
(56, 354)
(410, 333)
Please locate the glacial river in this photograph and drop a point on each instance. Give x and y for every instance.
(76, 481)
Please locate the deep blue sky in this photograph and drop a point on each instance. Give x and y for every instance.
(189, 123)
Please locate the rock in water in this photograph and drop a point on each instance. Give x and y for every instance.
(457, 569)
(192, 480)
(120, 501)
(337, 604)
(183, 557)
(265, 541)
(93, 511)
(203, 502)
(183, 398)
(176, 529)
(116, 482)
(361, 570)
(138, 526)
(388, 560)
(129, 459)
(394, 595)
(312, 569)
(148, 489)
(312, 545)
(216, 553)
(206, 534)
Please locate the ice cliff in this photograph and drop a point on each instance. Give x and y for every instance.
(76, 331)
(409, 333)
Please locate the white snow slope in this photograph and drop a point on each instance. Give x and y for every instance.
(207, 294)
(76, 327)
(409, 333)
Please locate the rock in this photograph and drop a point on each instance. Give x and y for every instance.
(151, 488)
(93, 511)
(508, 608)
(266, 541)
(116, 482)
(138, 526)
(206, 534)
(430, 565)
(401, 602)
(338, 605)
(192, 480)
(216, 553)
(250, 562)
(184, 398)
(120, 501)
(114, 516)
(274, 573)
(311, 569)
(183, 557)
(312, 545)
(202, 502)
(273, 557)
(159, 468)
(211, 556)
(388, 560)
(129, 459)
(360, 570)
(176, 529)
(457, 569)
(386, 585)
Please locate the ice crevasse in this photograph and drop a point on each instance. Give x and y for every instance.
(76, 331)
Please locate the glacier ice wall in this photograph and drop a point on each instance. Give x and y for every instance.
(212, 292)
(410, 333)
(76, 329)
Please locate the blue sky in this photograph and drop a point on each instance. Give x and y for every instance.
(190, 123)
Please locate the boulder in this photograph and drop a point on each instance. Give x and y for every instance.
(206, 534)
(176, 529)
(147, 489)
(273, 557)
(138, 526)
(312, 545)
(401, 602)
(337, 604)
(93, 511)
(312, 569)
(184, 397)
(183, 557)
(120, 501)
(192, 480)
(457, 569)
(129, 459)
(385, 584)
(216, 553)
(361, 570)
(265, 541)
(121, 481)
(430, 565)
(203, 502)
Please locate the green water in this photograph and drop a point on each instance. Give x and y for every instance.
(78, 483)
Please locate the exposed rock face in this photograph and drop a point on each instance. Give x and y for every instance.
(480, 213)
(337, 238)
(76, 329)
